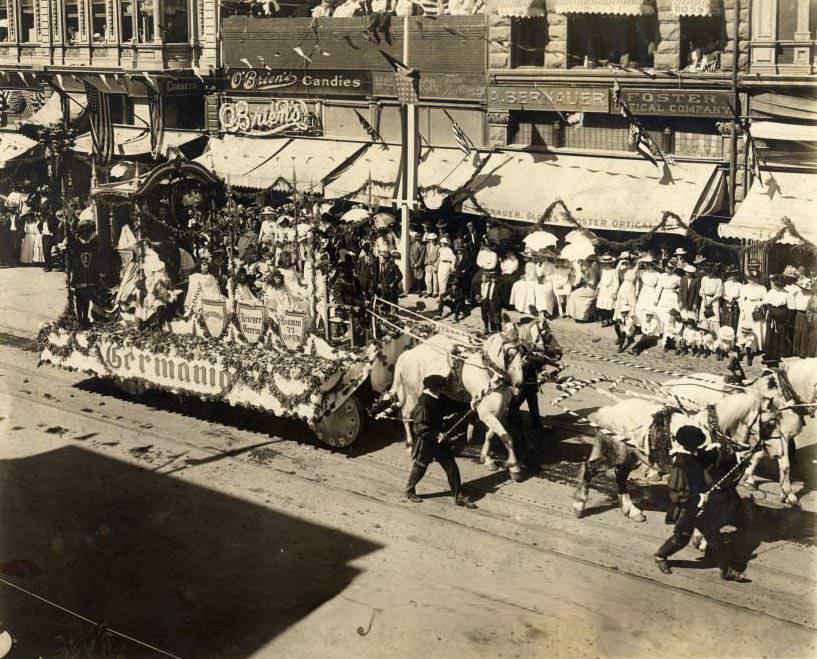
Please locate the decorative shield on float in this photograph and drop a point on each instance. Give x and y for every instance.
(214, 313)
(294, 328)
(251, 320)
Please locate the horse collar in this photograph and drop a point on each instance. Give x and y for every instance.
(786, 387)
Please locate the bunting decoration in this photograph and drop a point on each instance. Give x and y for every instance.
(102, 135)
(374, 136)
(638, 135)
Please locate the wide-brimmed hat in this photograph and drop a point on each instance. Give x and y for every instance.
(690, 437)
(606, 258)
(430, 236)
(624, 255)
(698, 259)
(782, 279)
(445, 240)
(805, 283)
(647, 258)
(268, 210)
(690, 268)
(791, 271)
(680, 251)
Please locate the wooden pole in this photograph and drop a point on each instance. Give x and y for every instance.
(733, 141)
(409, 130)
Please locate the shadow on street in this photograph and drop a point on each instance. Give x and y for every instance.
(187, 569)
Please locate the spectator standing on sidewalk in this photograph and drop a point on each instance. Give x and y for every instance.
(431, 263)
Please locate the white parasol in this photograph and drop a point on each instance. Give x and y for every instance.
(355, 215)
(577, 251)
(539, 240)
(576, 236)
(383, 220)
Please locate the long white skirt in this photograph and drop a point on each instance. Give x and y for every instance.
(32, 249)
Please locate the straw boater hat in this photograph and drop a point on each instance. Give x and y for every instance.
(445, 240)
(430, 236)
(647, 258)
(680, 252)
(268, 210)
(606, 259)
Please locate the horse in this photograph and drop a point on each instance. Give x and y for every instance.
(794, 383)
(488, 379)
(733, 416)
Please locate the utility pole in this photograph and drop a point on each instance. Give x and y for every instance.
(733, 142)
(409, 169)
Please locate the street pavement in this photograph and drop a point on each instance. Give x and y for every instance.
(206, 531)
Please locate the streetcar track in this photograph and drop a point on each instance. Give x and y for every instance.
(435, 515)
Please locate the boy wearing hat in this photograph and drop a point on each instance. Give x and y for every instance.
(625, 327)
(430, 443)
(650, 333)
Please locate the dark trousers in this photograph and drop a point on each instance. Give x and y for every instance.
(491, 319)
(604, 315)
(457, 305)
(82, 301)
(644, 341)
(529, 394)
(427, 451)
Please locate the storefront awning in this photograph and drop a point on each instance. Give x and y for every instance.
(618, 7)
(697, 7)
(443, 171)
(14, 147)
(374, 175)
(136, 142)
(261, 163)
(784, 106)
(782, 194)
(775, 130)
(612, 194)
(521, 8)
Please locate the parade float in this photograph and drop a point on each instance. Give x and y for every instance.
(239, 354)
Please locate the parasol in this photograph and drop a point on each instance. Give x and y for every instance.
(577, 251)
(355, 215)
(383, 220)
(540, 240)
(576, 236)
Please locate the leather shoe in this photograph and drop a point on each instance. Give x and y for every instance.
(465, 502)
(412, 496)
(663, 565)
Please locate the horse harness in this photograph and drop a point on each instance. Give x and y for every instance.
(791, 395)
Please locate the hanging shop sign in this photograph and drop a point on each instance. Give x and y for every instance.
(272, 117)
(684, 102)
(294, 82)
(445, 86)
(294, 328)
(251, 320)
(542, 97)
(180, 87)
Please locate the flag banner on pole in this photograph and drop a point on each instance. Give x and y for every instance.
(157, 123)
(464, 142)
(405, 80)
(374, 136)
(99, 112)
(642, 143)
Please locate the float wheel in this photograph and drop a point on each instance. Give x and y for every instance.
(343, 426)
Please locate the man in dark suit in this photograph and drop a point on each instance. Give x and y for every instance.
(490, 302)
(430, 443)
(389, 279)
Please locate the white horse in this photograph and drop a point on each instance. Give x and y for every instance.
(737, 416)
(793, 384)
(487, 380)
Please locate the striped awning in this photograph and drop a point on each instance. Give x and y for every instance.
(618, 7)
(697, 7)
(521, 8)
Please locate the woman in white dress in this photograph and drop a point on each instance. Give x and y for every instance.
(709, 315)
(751, 316)
(648, 288)
(543, 294)
(669, 283)
(32, 247)
(275, 296)
(607, 290)
(563, 278)
(202, 285)
(522, 292)
(627, 294)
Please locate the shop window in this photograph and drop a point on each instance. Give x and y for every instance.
(441, 132)
(175, 28)
(702, 41)
(528, 39)
(602, 132)
(602, 39)
(534, 129)
(183, 112)
(28, 33)
(341, 121)
(122, 110)
(100, 21)
(136, 20)
(4, 21)
(71, 21)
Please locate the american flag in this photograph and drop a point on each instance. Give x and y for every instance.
(406, 80)
(641, 140)
(99, 111)
(157, 123)
(463, 141)
(370, 131)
